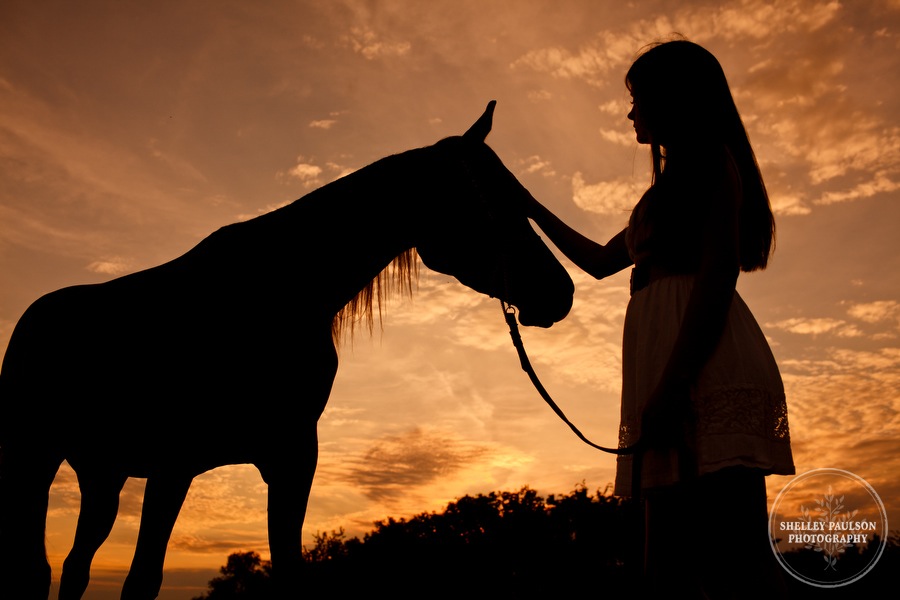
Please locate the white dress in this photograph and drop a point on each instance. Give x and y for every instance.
(738, 399)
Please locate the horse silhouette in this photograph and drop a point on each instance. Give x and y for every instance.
(227, 354)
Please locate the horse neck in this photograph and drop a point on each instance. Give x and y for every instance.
(358, 224)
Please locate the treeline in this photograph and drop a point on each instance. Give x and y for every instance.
(513, 544)
(503, 544)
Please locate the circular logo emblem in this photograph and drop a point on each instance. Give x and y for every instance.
(828, 527)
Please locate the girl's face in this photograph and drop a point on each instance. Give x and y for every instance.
(640, 129)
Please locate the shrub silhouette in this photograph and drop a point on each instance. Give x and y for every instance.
(245, 576)
(518, 544)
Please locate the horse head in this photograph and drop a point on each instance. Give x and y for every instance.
(478, 231)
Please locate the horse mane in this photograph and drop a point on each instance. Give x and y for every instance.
(398, 276)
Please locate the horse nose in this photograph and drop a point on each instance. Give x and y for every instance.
(526, 320)
(546, 314)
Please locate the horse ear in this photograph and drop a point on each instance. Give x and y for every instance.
(482, 127)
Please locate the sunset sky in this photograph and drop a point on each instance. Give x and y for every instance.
(131, 130)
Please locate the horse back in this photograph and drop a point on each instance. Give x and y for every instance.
(185, 357)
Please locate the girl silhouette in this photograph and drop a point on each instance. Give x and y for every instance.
(701, 391)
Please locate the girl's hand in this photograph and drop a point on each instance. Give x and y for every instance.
(666, 417)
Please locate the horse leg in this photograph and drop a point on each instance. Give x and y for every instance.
(163, 498)
(289, 485)
(99, 507)
(25, 479)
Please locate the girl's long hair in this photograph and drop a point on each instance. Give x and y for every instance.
(684, 100)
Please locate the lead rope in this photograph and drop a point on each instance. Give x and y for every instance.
(509, 313)
(636, 449)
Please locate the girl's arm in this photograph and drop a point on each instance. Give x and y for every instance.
(595, 259)
(707, 310)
